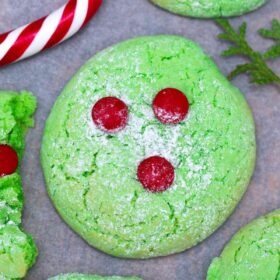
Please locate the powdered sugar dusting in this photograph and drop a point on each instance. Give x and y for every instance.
(93, 174)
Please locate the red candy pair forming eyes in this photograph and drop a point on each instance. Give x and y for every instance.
(110, 114)
(170, 106)
(8, 160)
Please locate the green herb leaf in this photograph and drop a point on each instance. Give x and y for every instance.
(273, 34)
(256, 67)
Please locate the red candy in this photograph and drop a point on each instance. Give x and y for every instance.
(156, 174)
(8, 160)
(110, 114)
(170, 106)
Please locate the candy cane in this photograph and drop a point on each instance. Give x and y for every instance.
(47, 31)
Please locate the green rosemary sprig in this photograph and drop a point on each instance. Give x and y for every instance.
(256, 67)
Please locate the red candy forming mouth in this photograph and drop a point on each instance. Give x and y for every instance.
(170, 106)
(8, 160)
(110, 114)
(156, 174)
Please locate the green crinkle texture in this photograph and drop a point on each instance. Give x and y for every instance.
(78, 276)
(17, 252)
(210, 8)
(252, 254)
(17, 249)
(11, 199)
(16, 112)
(92, 176)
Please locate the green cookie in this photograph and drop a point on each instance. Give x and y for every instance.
(15, 118)
(18, 251)
(11, 198)
(16, 112)
(252, 254)
(210, 8)
(77, 276)
(92, 175)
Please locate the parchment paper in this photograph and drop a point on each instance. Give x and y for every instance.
(61, 250)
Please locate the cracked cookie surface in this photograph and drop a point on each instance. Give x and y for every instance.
(91, 175)
(18, 250)
(210, 8)
(252, 254)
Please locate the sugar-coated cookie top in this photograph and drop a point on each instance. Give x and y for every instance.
(105, 184)
(16, 112)
(252, 254)
(18, 251)
(210, 8)
(15, 117)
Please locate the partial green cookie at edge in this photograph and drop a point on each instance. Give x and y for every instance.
(91, 175)
(210, 8)
(18, 250)
(16, 112)
(11, 198)
(252, 254)
(78, 276)
(15, 118)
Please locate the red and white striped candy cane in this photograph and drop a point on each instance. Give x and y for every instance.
(46, 32)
